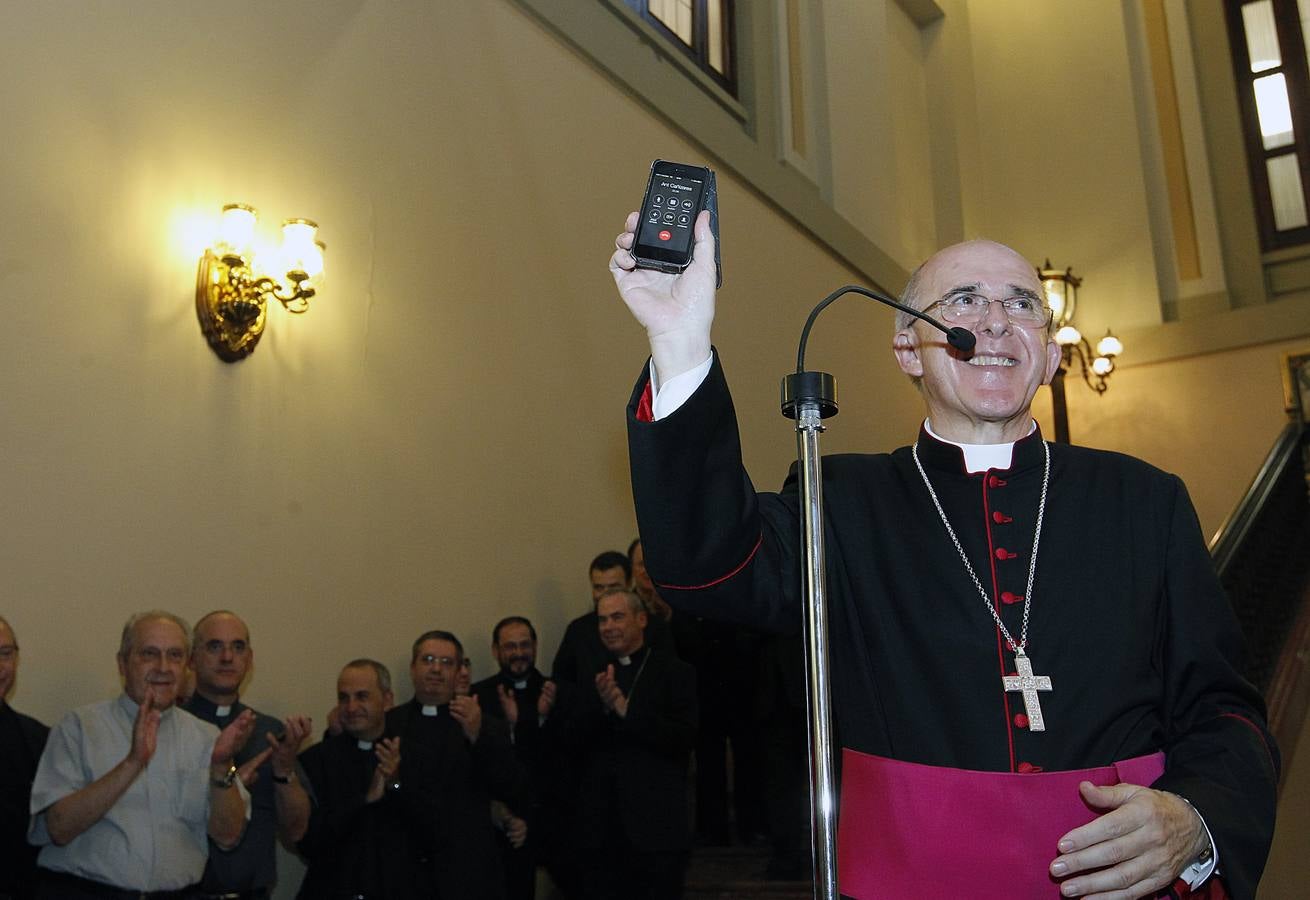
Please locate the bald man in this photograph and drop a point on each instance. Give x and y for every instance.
(222, 658)
(1035, 624)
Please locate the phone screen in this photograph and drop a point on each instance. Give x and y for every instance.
(670, 212)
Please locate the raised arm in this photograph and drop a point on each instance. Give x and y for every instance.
(69, 816)
(677, 311)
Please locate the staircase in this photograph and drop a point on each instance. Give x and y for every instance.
(728, 873)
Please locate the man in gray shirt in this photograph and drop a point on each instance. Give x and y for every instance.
(129, 790)
(221, 657)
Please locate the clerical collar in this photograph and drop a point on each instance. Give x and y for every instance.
(364, 745)
(429, 710)
(519, 684)
(635, 656)
(983, 457)
(222, 711)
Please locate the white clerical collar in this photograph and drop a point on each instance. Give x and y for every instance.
(625, 660)
(222, 711)
(521, 685)
(429, 710)
(981, 457)
(364, 745)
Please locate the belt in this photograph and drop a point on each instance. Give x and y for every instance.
(91, 888)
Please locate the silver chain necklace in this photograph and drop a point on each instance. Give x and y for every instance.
(1025, 682)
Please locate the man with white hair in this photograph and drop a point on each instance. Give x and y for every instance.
(129, 790)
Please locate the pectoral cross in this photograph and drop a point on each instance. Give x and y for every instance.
(1029, 684)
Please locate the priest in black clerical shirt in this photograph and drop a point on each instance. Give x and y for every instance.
(221, 658)
(468, 761)
(526, 700)
(22, 739)
(633, 730)
(367, 835)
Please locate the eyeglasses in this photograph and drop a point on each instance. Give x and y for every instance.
(445, 662)
(154, 655)
(970, 309)
(7, 653)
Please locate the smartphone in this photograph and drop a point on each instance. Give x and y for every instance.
(675, 195)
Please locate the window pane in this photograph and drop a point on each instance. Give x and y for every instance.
(1274, 111)
(1261, 35)
(1286, 193)
(714, 28)
(676, 14)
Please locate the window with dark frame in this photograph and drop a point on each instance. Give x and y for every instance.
(1268, 39)
(700, 29)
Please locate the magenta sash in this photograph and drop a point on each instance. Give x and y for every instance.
(910, 830)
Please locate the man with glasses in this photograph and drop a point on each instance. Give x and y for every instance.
(467, 760)
(22, 739)
(221, 658)
(1036, 625)
(130, 791)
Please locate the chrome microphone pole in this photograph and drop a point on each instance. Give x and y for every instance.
(810, 397)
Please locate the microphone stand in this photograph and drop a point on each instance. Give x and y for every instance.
(809, 398)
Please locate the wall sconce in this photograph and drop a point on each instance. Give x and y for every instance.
(232, 291)
(1061, 289)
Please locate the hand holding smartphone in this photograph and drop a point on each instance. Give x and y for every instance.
(675, 195)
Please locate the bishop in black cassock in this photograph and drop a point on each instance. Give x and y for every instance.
(933, 589)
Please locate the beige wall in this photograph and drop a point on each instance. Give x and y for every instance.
(439, 441)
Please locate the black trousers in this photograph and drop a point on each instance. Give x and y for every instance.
(620, 871)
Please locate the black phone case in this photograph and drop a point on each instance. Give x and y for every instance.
(710, 201)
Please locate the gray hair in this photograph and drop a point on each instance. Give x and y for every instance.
(381, 671)
(125, 643)
(634, 602)
(909, 297)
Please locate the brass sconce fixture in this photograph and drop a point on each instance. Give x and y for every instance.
(232, 289)
(1061, 289)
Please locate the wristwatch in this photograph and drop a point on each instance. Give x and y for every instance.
(227, 780)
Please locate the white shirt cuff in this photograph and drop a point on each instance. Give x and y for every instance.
(1196, 874)
(667, 398)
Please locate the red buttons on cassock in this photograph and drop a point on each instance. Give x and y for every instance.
(1024, 768)
(1002, 553)
(1001, 518)
(993, 481)
(1021, 721)
(1007, 597)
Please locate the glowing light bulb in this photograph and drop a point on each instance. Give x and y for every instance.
(1109, 345)
(236, 230)
(1068, 335)
(300, 251)
(1102, 365)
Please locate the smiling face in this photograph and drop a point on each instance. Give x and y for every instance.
(515, 649)
(621, 627)
(154, 662)
(362, 702)
(983, 397)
